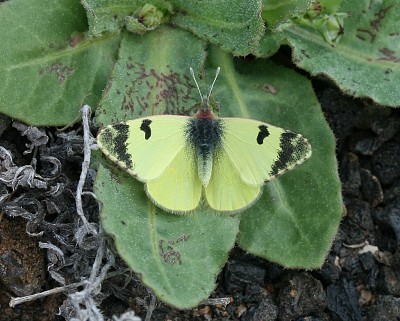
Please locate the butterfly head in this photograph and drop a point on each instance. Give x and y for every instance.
(205, 111)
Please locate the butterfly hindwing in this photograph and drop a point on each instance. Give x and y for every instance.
(260, 151)
(144, 147)
(226, 191)
(178, 188)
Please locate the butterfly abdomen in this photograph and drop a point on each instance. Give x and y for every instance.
(204, 135)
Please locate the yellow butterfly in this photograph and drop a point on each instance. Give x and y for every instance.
(183, 160)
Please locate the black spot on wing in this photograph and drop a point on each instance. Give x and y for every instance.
(293, 150)
(262, 134)
(116, 141)
(145, 127)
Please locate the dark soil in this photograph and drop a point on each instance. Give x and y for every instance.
(360, 279)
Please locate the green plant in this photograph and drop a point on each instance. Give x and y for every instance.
(132, 60)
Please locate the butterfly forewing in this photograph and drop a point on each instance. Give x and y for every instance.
(145, 146)
(260, 151)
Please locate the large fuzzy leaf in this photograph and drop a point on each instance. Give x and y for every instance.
(48, 68)
(178, 256)
(297, 217)
(365, 62)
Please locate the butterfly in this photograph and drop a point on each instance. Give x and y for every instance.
(187, 161)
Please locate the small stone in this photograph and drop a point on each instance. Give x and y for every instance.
(266, 311)
(342, 300)
(22, 263)
(366, 296)
(386, 162)
(367, 261)
(371, 188)
(352, 175)
(359, 212)
(330, 272)
(301, 296)
(390, 280)
(386, 308)
(240, 310)
(244, 271)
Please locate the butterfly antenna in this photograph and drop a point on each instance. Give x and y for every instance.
(212, 85)
(197, 85)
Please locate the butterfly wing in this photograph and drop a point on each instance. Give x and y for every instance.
(144, 146)
(154, 150)
(260, 151)
(226, 191)
(178, 188)
(252, 153)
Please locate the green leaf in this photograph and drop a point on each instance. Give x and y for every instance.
(149, 18)
(276, 12)
(113, 15)
(279, 15)
(298, 215)
(146, 80)
(157, 244)
(47, 66)
(235, 26)
(269, 43)
(365, 63)
(329, 6)
(177, 256)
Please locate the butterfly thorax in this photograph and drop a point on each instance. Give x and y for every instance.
(204, 134)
